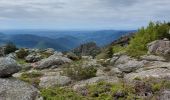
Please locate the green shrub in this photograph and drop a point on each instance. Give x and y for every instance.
(156, 87)
(154, 31)
(77, 72)
(9, 48)
(45, 54)
(22, 53)
(167, 84)
(21, 61)
(110, 91)
(118, 48)
(59, 93)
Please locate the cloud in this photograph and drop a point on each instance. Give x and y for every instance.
(86, 14)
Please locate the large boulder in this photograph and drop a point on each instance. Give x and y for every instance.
(122, 59)
(51, 81)
(160, 47)
(55, 60)
(13, 89)
(131, 66)
(126, 64)
(33, 58)
(8, 66)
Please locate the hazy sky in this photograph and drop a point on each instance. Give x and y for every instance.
(81, 14)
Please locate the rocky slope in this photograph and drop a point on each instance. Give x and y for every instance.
(51, 75)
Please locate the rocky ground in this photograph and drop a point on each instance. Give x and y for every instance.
(120, 77)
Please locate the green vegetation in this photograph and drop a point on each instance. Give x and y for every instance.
(77, 72)
(45, 54)
(99, 91)
(9, 48)
(154, 31)
(31, 77)
(22, 53)
(21, 61)
(118, 48)
(109, 91)
(59, 93)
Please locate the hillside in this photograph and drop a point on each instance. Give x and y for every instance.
(34, 41)
(59, 40)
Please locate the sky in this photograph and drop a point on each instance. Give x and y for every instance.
(81, 14)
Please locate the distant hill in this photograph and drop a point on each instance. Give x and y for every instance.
(59, 40)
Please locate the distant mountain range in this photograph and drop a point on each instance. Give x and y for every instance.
(59, 40)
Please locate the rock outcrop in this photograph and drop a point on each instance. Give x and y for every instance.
(159, 73)
(8, 66)
(33, 58)
(14, 89)
(159, 47)
(126, 64)
(53, 61)
(51, 81)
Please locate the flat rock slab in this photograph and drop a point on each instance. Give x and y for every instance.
(14, 89)
(52, 81)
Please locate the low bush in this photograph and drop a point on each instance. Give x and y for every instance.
(9, 48)
(45, 54)
(21, 61)
(22, 53)
(59, 93)
(118, 48)
(77, 72)
(110, 91)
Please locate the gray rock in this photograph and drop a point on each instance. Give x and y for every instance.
(100, 73)
(54, 60)
(113, 60)
(8, 66)
(56, 54)
(160, 47)
(33, 58)
(51, 81)
(116, 72)
(91, 63)
(50, 50)
(12, 55)
(131, 66)
(152, 58)
(165, 95)
(95, 80)
(123, 59)
(127, 64)
(13, 89)
(155, 73)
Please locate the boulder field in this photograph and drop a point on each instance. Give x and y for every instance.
(60, 70)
